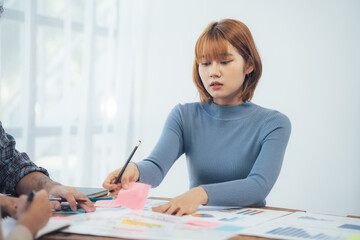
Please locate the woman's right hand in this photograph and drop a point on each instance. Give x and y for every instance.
(131, 174)
(34, 215)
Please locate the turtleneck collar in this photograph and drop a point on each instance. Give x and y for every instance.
(229, 112)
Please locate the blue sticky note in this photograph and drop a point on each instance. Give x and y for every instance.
(100, 199)
(229, 228)
(70, 211)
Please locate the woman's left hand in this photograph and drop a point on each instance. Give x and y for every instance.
(186, 203)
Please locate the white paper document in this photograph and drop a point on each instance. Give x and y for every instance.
(244, 217)
(125, 223)
(302, 225)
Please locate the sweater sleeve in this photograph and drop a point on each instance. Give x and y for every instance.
(19, 232)
(252, 190)
(167, 150)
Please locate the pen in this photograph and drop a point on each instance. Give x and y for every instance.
(60, 199)
(30, 197)
(127, 163)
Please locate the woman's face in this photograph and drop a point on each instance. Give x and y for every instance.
(223, 77)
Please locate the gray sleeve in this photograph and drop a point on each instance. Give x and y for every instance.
(167, 150)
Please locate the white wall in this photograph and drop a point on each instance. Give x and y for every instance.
(311, 59)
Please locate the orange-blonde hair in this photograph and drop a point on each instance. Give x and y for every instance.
(213, 43)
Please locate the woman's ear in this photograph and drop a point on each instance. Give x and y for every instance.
(249, 69)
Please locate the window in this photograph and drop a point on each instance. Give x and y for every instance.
(59, 85)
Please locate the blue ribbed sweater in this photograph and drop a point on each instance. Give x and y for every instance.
(234, 152)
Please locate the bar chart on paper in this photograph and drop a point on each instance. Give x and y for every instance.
(302, 225)
(250, 212)
(245, 217)
(299, 233)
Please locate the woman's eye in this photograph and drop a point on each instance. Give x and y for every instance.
(226, 62)
(205, 63)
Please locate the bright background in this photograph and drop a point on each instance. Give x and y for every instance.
(82, 81)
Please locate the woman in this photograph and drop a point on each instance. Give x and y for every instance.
(234, 148)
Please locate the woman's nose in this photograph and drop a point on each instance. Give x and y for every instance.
(214, 70)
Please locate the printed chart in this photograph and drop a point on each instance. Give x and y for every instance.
(245, 217)
(302, 225)
(298, 232)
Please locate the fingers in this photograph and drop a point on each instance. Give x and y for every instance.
(114, 193)
(125, 182)
(173, 210)
(21, 205)
(55, 205)
(8, 206)
(71, 195)
(180, 212)
(184, 204)
(170, 209)
(41, 197)
(109, 184)
(131, 174)
(88, 206)
(70, 198)
(36, 213)
(109, 181)
(162, 208)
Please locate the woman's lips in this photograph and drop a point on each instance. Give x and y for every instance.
(216, 85)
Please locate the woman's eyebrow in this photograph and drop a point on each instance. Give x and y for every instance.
(226, 55)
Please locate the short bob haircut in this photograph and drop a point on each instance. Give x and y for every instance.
(213, 43)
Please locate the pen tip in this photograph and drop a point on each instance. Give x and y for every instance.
(138, 144)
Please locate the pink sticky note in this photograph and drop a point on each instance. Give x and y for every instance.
(61, 218)
(107, 204)
(134, 197)
(201, 223)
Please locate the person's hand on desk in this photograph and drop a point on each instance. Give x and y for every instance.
(71, 194)
(184, 204)
(35, 214)
(37, 181)
(131, 174)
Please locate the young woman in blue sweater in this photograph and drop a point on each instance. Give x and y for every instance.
(234, 148)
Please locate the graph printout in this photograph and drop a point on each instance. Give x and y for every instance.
(321, 221)
(244, 217)
(308, 226)
(125, 223)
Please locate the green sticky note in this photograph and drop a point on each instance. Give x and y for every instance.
(353, 237)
